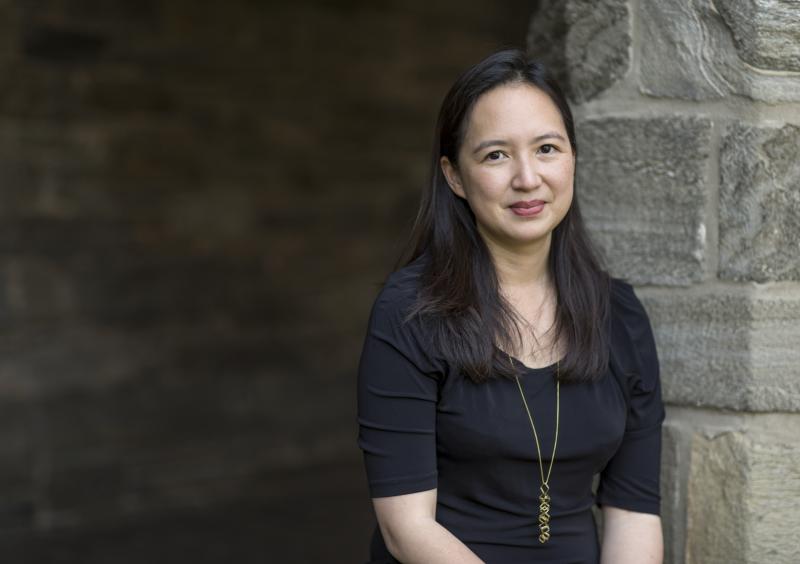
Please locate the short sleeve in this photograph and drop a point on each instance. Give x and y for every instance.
(630, 480)
(397, 397)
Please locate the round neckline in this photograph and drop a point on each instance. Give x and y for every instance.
(530, 369)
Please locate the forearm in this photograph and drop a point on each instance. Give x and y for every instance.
(631, 538)
(425, 541)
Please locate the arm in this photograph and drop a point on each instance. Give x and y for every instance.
(630, 537)
(398, 391)
(629, 489)
(409, 528)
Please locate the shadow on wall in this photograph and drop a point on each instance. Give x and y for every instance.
(199, 202)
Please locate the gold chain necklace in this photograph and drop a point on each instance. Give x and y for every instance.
(544, 489)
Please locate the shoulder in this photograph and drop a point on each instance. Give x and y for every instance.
(391, 314)
(624, 302)
(632, 341)
(399, 293)
(392, 320)
(627, 312)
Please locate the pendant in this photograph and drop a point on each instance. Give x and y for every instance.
(544, 513)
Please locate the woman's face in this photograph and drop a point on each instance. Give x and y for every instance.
(515, 166)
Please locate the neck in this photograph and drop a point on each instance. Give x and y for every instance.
(522, 266)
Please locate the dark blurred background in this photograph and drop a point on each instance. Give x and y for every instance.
(199, 201)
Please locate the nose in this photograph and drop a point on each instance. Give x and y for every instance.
(526, 175)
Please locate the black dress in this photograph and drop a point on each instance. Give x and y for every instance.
(423, 425)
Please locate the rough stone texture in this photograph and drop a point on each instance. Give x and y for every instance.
(742, 502)
(717, 488)
(586, 42)
(642, 191)
(734, 348)
(547, 39)
(766, 32)
(690, 50)
(760, 203)
(673, 496)
(598, 42)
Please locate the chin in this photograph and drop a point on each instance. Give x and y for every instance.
(523, 240)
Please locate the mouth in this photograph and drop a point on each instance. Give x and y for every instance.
(529, 208)
(529, 204)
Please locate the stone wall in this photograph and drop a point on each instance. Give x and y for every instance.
(689, 131)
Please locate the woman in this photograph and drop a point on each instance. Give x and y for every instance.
(503, 368)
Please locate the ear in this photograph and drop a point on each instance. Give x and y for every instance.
(453, 177)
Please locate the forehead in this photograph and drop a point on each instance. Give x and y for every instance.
(513, 109)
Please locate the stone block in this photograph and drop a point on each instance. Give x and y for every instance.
(598, 45)
(730, 348)
(672, 491)
(742, 502)
(588, 43)
(759, 227)
(547, 39)
(766, 33)
(674, 465)
(698, 51)
(642, 187)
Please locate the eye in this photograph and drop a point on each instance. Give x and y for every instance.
(494, 156)
(547, 149)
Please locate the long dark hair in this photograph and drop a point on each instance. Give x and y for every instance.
(459, 297)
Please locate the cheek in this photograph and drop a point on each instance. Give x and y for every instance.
(568, 193)
(483, 185)
(567, 178)
(567, 170)
(565, 187)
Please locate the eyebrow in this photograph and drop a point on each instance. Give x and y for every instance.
(491, 142)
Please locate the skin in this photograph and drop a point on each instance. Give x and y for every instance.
(515, 149)
(631, 538)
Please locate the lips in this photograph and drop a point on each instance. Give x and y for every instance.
(529, 208)
(528, 205)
